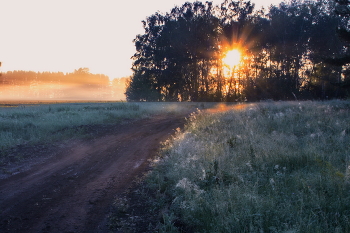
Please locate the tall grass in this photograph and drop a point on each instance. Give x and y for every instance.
(265, 167)
(43, 123)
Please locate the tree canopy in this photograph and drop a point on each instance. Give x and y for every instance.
(343, 10)
(180, 57)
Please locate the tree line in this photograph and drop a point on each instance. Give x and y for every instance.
(80, 84)
(287, 53)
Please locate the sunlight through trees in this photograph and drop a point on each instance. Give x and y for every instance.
(180, 55)
(232, 58)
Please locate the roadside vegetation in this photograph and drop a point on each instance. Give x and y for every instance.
(33, 124)
(260, 167)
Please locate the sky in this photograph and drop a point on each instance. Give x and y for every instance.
(64, 35)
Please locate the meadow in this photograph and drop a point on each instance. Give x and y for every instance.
(254, 167)
(259, 167)
(34, 123)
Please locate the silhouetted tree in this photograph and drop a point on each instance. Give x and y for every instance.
(179, 57)
(343, 32)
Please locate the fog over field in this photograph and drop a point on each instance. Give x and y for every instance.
(79, 85)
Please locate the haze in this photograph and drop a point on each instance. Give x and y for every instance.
(42, 35)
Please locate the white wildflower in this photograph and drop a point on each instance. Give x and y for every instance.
(313, 135)
(203, 174)
(343, 133)
(272, 183)
(279, 114)
(188, 186)
(184, 183)
(249, 165)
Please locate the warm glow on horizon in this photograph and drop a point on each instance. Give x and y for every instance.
(232, 58)
(63, 36)
(40, 35)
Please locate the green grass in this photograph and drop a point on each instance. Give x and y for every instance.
(30, 124)
(264, 167)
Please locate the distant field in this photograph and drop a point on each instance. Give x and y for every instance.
(16, 103)
(42, 122)
(260, 167)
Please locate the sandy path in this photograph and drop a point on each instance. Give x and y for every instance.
(73, 189)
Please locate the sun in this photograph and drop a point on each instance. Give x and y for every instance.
(232, 58)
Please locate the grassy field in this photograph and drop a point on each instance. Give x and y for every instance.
(262, 167)
(33, 123)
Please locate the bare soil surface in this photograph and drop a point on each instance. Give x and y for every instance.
(70, 186)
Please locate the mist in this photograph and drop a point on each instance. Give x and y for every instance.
(79, 85)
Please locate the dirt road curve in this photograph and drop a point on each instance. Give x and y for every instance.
(73, 189)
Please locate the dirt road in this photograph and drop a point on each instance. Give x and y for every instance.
(72, 190)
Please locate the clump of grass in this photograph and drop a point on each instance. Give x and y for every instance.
(266, 167)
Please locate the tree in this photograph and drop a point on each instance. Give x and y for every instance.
(176, 51)
(141, 89)
(179, 57)
(82, 71)
(343, 32)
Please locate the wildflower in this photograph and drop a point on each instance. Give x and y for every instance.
(188, 186)
(343, 133)
(184, 183)
(313, 135)
(249, 165)
(279, 114)
(203, 174)
(272, 183)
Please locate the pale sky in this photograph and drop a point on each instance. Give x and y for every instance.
(64, 35)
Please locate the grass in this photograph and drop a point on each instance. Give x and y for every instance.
(42, 123)
(263, 167)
